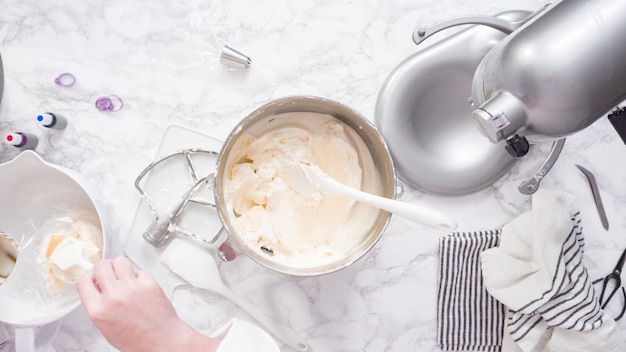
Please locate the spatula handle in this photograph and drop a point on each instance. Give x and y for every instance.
(415, 213)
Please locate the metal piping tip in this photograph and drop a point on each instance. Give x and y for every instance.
(595, 191)
(232, 57)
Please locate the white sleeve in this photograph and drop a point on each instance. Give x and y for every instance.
(238, 335)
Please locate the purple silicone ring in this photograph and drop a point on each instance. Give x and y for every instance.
(106, 104)
(65, 79)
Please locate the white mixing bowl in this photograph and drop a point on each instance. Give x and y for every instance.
(32, 191)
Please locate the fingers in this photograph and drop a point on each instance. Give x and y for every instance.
(88, 290)
(123, 268)
(107, 272)
(103, 272)
(105, 289)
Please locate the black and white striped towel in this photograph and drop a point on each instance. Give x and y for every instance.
(468, 317)
(537, 271)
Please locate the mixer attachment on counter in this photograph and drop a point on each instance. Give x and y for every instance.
(169, 220)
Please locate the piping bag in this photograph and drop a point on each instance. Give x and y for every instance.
(191, 45)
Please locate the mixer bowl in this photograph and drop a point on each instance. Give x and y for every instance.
(259, 120)
(424, 112)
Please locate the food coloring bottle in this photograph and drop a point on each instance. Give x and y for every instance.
(21, 140)
(50, 120)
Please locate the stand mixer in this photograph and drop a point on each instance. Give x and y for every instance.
(555, 73)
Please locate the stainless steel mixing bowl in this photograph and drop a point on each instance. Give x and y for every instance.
(424, 112)
(259, 119)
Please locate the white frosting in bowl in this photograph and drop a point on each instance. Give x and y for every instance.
(294, 229)
(69, 252)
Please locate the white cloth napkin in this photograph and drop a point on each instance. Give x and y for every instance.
(538, 273)
(239, 336)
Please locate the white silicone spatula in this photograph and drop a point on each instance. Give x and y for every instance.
(197, 266)
(311, 180)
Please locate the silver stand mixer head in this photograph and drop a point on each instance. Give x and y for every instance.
(554, 76)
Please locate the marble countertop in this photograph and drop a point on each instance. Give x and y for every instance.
(342, 50)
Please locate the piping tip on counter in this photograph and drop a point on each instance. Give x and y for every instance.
(595, 191)
(234, 58)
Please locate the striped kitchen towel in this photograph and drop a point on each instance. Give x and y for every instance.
(468, 317)
(537, 271)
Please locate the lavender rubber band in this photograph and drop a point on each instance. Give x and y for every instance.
(65, 79)
(121, 103)
(106, 104)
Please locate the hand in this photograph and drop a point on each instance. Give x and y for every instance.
(132, 312)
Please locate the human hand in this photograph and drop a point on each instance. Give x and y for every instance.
(132, 312)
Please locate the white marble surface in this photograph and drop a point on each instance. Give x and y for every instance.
(339, 49)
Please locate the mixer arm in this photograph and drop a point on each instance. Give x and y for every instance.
(421, 33)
